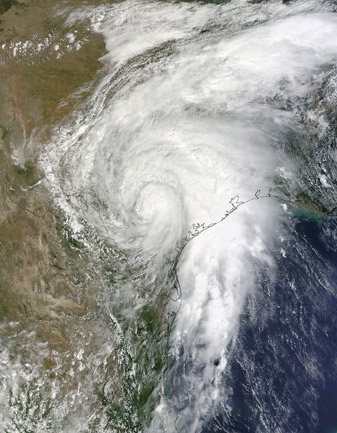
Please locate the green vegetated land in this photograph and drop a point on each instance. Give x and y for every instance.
(55, 327)
(62, 327)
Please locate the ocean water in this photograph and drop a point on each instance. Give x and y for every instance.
(282, 373)
(201, 105)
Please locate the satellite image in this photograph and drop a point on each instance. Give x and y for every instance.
(168, 216)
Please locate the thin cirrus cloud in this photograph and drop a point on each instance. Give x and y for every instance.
(187, 125)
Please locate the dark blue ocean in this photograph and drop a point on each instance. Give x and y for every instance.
(282, 376)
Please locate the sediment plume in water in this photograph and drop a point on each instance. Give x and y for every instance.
(191, 111)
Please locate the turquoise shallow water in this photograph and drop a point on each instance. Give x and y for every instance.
(202, 106)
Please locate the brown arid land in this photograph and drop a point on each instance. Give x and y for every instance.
(69, 361)
(46, 299)
(37, 261)
(64, 365)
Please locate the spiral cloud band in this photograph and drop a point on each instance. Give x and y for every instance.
(188, 114)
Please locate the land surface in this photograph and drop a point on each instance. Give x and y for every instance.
(59, 352)
(50, 315)
(46, 295)
(37, 84)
